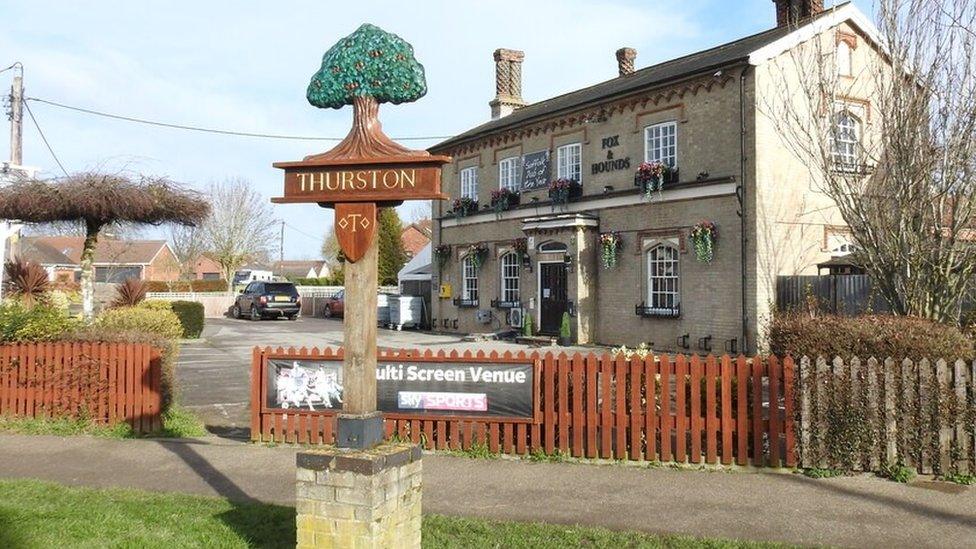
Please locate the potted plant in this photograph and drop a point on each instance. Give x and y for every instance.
(563, 190)
(464, 206)
(703, 237)
(610, 246)
(565, 332)
(442, 252)
(503, 199)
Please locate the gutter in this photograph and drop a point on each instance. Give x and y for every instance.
(741, 194)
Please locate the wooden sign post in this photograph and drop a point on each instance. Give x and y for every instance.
(366, 171)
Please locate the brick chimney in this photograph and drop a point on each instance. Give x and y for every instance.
(508, 83)
(790, 12)
(625, 60)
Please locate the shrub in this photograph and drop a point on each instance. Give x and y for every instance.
(190, 314)
(159, 328)
(129, 293)
(157, 305)
(880, 336)
(186, 285)
(42, 322)
(25, 280)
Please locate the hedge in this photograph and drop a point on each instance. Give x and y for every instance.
(186, 286)
(879, 336)
(191, 317)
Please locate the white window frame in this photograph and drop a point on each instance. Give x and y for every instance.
(845, 58)
(662, 277)
(469, 182)
(661, 143)
(469, 279)
(845, 140)
(569, 162)
(508, 173)
(511, 270)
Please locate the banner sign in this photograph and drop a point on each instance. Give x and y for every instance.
(414, 387)
(535, 170)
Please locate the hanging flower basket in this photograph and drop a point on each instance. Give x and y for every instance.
(562, 190)
(610, 245)
(504, 199)
(651, 177)
(703, 237)
(464, 206)
(477, 253)
(521, 246)
(442, 253)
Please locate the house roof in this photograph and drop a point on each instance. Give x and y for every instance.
(297, 267)
(107, 252)
(738, 51)
(415, 236)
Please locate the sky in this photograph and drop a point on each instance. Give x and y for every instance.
(245, 66)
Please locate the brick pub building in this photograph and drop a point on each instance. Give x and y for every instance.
(699, 115)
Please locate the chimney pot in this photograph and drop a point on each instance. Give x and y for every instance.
(625, 60)
(508, 82)
(791, 12)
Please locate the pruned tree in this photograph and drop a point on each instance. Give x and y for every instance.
(893, 143)
(392, 256)
(240, 227)
(188, 244)
(99, 200)
(364, 69)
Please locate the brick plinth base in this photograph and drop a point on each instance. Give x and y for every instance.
(348, 498)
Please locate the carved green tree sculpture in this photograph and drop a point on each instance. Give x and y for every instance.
(364, 69)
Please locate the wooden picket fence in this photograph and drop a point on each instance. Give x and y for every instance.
(860, 415)
(660, 408)
(106, 382)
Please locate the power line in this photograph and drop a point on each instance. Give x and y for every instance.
(301, 232)
(43, 138)
(214, 130)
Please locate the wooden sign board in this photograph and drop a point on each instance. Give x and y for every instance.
(380, 180)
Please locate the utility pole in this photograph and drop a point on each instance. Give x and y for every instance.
(16, 116)
(281, 245)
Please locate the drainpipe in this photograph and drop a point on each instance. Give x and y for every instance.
(741, 194)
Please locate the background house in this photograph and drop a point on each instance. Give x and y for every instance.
(301, 268)
(115, 260)
(415, 236)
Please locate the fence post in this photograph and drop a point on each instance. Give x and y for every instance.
(925, 419)
(805, 419)
(909, 384)
(945, 429)
(873, 414)
(891, 425)
(962, 437)
(821, 395)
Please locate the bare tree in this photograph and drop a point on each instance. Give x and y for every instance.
(331, 251)
(188, 244)
(99, 200)
(240, 228)
(893, 143)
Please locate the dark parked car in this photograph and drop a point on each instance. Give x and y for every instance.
(268, 299)
(335, 306)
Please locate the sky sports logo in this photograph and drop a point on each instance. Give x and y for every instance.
(461, 402)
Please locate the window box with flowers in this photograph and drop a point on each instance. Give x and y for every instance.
(504, 199)
(562, 190)
(653, 177)
(478, 252)
(465, 206)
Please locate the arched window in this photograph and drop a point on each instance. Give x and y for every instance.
(844, 58)
(552, 247)
(846, 140)
(510, 277)
(469, 280)
(663, 279)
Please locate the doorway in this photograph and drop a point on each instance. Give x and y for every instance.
(553, 296)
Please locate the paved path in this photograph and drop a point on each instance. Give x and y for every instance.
(855, 512)
(214, 372)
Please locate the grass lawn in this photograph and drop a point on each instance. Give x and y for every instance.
(36, 514)
(177, 423)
